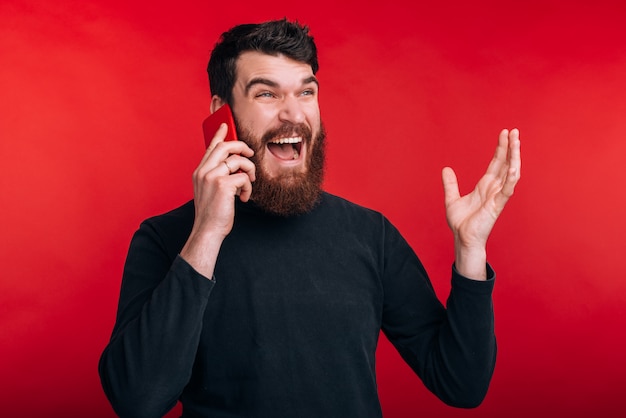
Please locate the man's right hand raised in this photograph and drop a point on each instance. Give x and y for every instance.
(224, 172)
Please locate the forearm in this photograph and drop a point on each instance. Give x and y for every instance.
(201, 251)
(453, 349)
(464, 359)
(149, 359)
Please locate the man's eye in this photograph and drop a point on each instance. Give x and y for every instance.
(264, 94)
(309, 92)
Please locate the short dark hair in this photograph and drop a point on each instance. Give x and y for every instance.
(273, 38)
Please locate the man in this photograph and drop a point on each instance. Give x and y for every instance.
(265, 296)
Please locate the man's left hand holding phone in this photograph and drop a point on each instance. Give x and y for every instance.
(224, 172)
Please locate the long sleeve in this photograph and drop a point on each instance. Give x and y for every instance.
(452, 349)
(150, 356)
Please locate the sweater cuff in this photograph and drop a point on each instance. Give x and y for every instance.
(182, 268)
(480, 286)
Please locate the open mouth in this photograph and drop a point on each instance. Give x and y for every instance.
(286, 149)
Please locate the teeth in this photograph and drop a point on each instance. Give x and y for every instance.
(294, 140)
(295, 154)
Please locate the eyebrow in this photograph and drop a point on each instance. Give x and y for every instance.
(273, 84)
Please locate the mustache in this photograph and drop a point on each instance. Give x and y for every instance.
(288, 129)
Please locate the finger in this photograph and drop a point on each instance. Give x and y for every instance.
(221, 151)
(497, 167)
(238, 164)
(203, 167)
(239, 146)
(245, 191)
(515, 159)
(515, 164)
(219, 136)
(450, 186)
(247, 167)
(239, 179)
(229, 170)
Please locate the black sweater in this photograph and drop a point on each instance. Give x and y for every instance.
(289, 326)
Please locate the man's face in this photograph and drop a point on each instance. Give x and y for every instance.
(275, 103)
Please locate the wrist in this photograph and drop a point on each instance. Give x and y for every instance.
(471, 262)
(200, 251)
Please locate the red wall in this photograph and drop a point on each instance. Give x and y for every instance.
(100, 110)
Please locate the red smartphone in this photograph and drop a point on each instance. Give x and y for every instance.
(212, 123)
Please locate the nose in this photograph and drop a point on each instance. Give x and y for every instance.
(291, 111)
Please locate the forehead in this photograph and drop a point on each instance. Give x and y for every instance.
(278, 68)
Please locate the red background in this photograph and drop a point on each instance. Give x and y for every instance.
(100, 110)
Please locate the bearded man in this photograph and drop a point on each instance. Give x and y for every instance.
(265, 296)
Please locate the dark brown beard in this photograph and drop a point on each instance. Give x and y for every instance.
(291, 193)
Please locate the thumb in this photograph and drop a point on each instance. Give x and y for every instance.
(450, 185)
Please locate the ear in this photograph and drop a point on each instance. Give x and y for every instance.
(216, 103)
